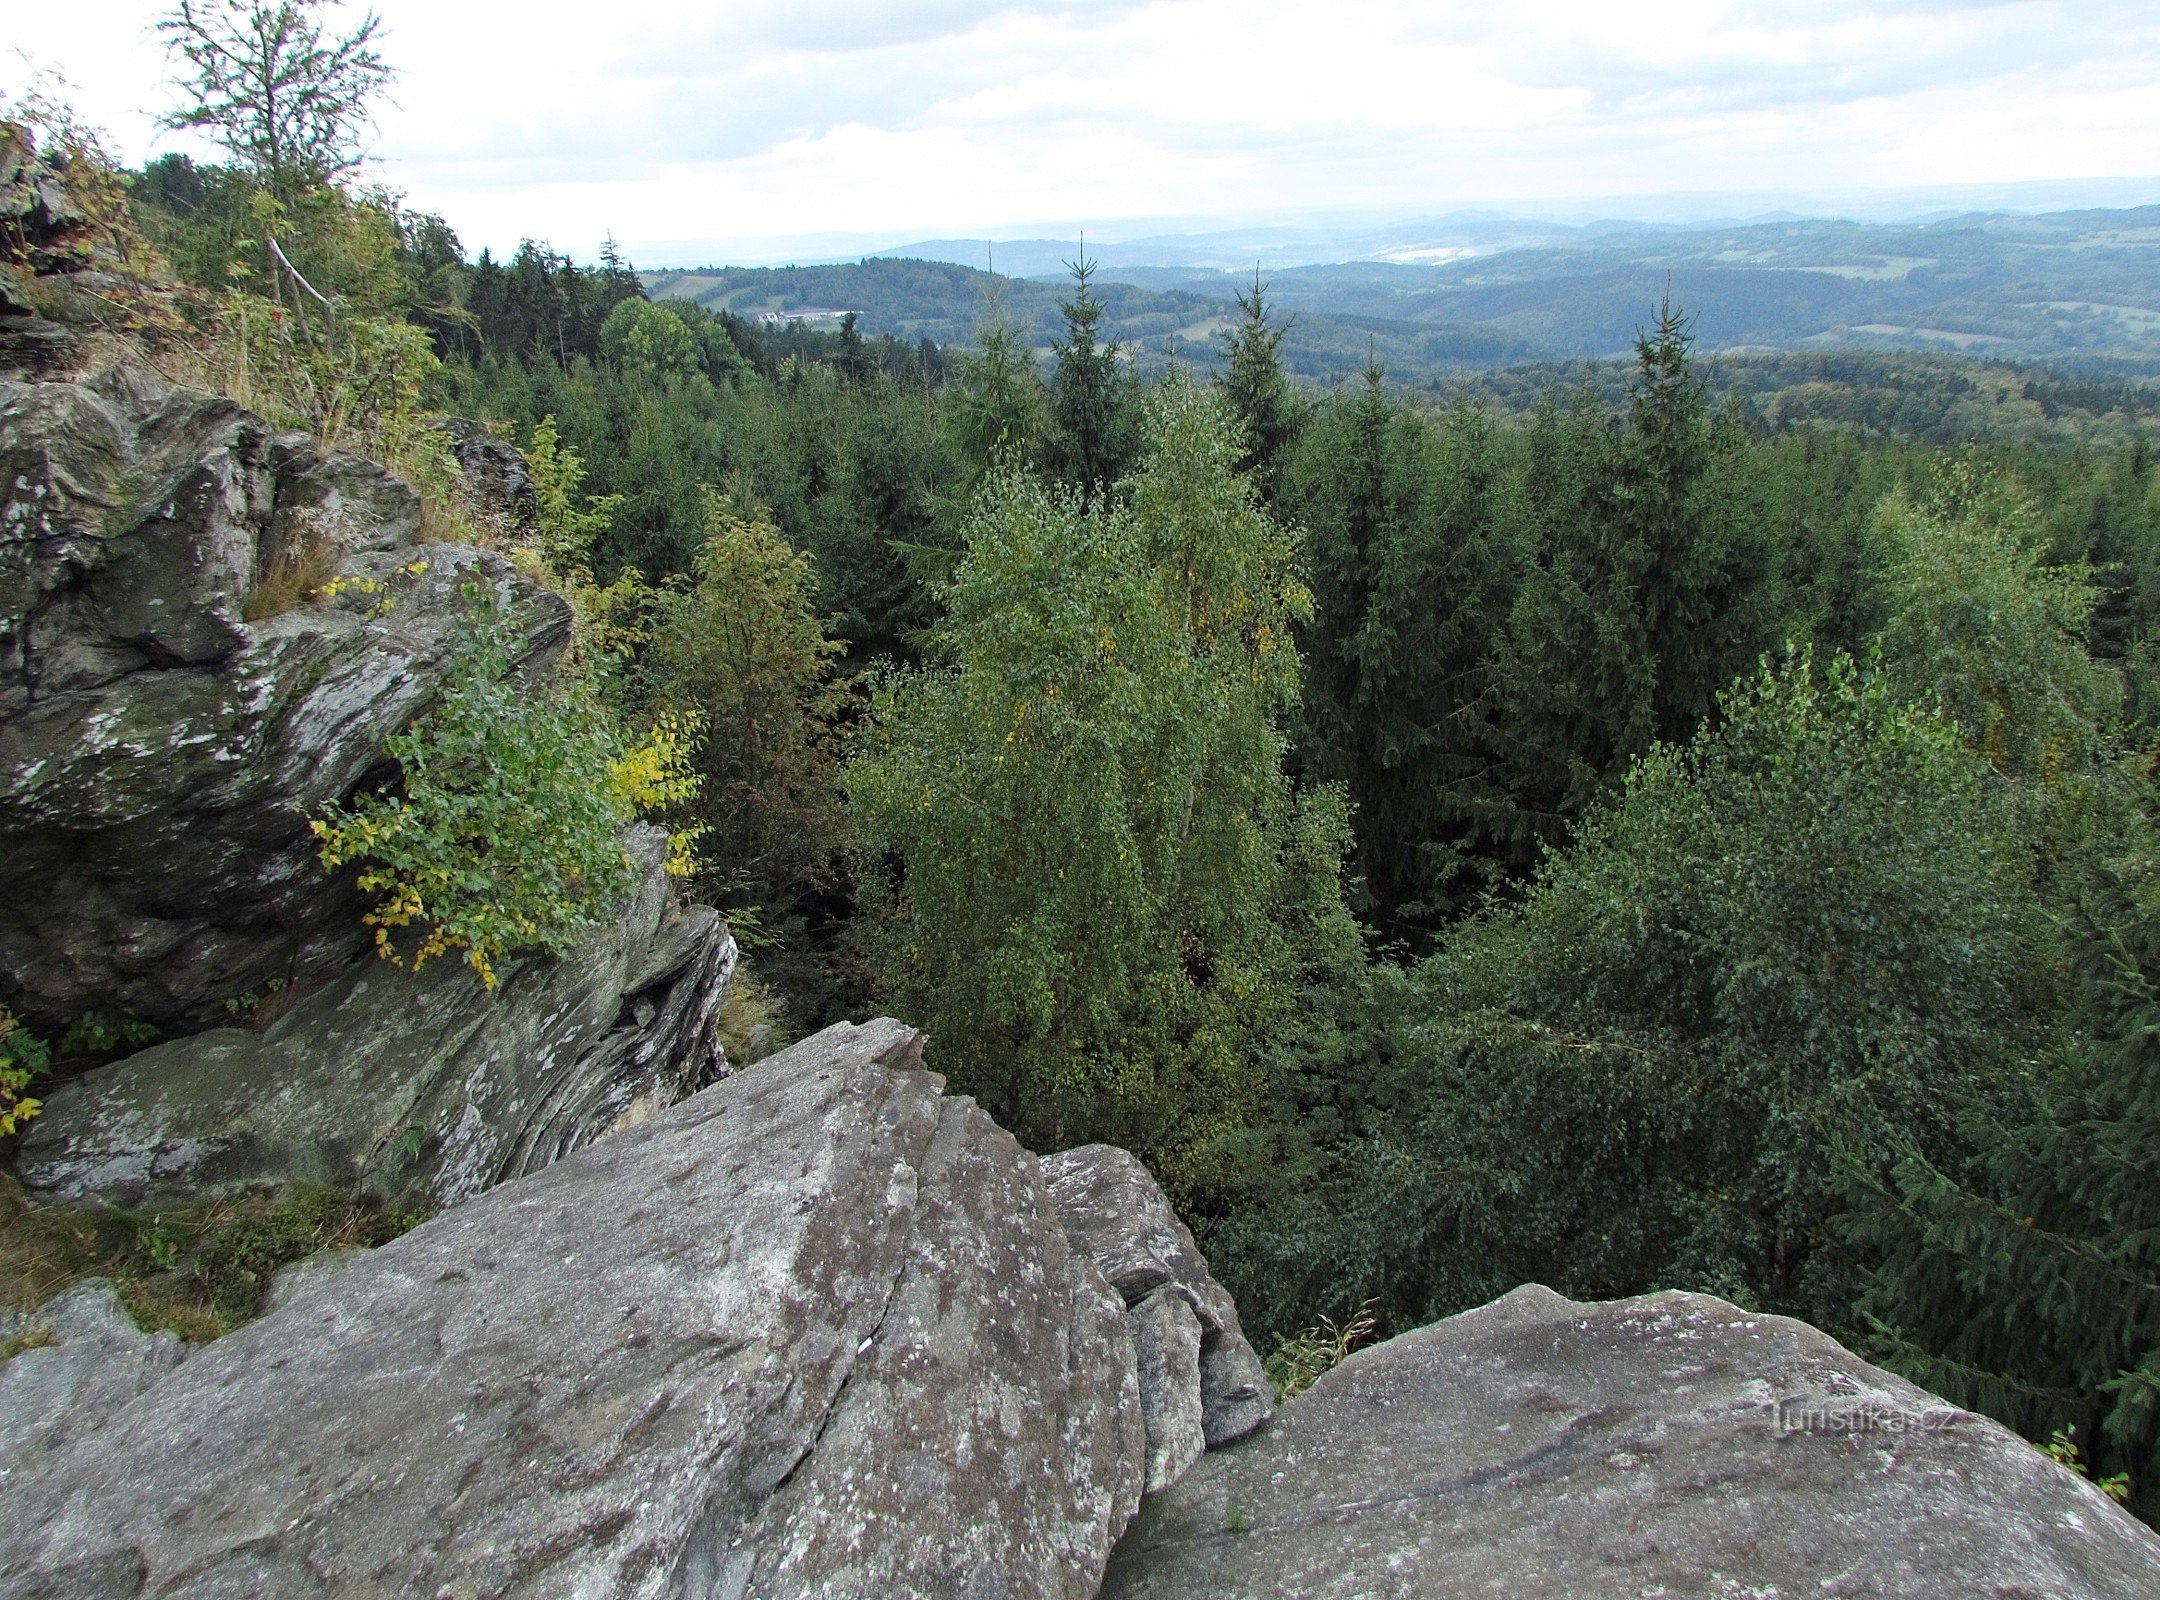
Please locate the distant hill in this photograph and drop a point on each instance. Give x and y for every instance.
(2080, 288)
(949, 304)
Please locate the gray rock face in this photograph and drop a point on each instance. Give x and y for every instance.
(496, 483)
(1669, 1445)
(95, 1362)
(42, 234)
(289, 1280)
(813, 1332)
(1201, 1385)
(418, 1084)
(1166, 1339)
(162, 741)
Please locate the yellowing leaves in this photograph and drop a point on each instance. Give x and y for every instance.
(507, 834)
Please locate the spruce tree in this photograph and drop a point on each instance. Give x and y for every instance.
(1694, 565)
(1572, 668)
(856, 363)
(1651, 587)
(2027, 1283)
(1269, 415)
(999, 409)
(1092, 396)
(1410, 572)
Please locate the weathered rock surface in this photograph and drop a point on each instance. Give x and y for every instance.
(425, 1085)
(94, 1361)
(1669, 1445)
(287, 1282)
(43, 235)
(816, 1331)
(1201, 1385)
(496, 483)
(162, 741)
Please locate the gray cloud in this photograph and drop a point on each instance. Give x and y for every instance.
(926, 115)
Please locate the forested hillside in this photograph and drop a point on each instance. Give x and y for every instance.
(2080, 287)
(1627, 833)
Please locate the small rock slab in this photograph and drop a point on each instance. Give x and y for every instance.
(1201, 1385)
(1671, 1445)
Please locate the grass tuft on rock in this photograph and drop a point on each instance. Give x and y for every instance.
(199, 1270)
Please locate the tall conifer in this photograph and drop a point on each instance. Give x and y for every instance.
(1092, 399)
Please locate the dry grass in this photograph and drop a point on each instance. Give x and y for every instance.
(1299, 1360)
(291, 578)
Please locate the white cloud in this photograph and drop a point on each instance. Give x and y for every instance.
(676, 121)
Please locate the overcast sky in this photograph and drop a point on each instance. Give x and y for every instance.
(760, 124)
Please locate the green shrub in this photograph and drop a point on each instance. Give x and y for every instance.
(23, 1057)
(506, 833)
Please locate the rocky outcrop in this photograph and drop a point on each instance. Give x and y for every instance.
(1667, 1445)
(42, 233)
(1201, 1385)
(493, 479)
(82, 1359)
(182, 685)
(816, 1331)
(422, 1085)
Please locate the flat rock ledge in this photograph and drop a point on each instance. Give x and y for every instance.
(1670, 1445)
(816, 1331)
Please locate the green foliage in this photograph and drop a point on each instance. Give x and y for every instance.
(1982, 626)
(96, 1034)
(565, 529)
(1298, 1361)
(2063, 1449)
(506, 831)
(670, 344)
(200, 1270)
(1000, 409)
(1812, 928)
(1090, 880)
(2024, 1278)
(357, 383)
(740, 654)
(24, 1057)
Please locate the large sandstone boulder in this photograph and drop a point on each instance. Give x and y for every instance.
(178, 695)
(423, 1085)
(816, 1331)
(1201, 1385)
(1670, 1445)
